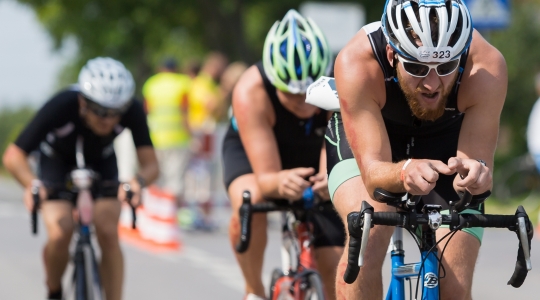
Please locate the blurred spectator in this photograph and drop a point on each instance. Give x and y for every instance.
(192, 68)
(533, 128)
(227, 82)
(206, 98)
(166, 101)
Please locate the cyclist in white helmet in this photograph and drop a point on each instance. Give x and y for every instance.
(97, 109)
(421, 93)
(274, 145)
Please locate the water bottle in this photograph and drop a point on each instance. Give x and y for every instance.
(308, 197)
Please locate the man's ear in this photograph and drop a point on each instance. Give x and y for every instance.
(390, 55)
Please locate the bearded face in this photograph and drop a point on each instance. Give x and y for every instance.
(414, 94)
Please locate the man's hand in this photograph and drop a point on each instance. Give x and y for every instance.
(135, 188)
(421, 175)
(473, 175)
(320, 185)
(292, 183)
(28, 197)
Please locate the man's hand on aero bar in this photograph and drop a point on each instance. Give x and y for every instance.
(28, 195)
(420, 176)
(320, 185)
(474, 175)
(292, 183)
(135, 188)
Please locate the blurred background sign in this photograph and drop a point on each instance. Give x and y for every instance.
(489, 14)
(338, 21)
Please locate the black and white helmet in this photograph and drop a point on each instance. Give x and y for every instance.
(450, 18)
(107, 82)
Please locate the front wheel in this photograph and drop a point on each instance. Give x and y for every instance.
(276, 274)
(314, 289)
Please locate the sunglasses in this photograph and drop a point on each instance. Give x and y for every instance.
(421, 70)
(103, 112)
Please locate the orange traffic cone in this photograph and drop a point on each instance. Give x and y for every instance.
(157, 229)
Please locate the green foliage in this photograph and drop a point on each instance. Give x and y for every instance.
(519, 44)
(141, 33)
(12, 122)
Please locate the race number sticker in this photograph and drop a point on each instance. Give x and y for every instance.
(433, 54)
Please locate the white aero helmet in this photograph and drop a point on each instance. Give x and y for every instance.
(107, 82)
(443, 26)
(295, 53)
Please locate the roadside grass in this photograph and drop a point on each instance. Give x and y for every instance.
(509, 206)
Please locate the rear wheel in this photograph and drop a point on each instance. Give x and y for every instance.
(314, 289)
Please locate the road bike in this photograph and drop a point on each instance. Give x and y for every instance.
(426, 222)
(298, 277)
(85, 277)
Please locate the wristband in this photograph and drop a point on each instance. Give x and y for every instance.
(402, 174)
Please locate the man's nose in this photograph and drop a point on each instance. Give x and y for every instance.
(432, 81)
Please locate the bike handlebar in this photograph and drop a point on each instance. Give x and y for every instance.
(247, 209)
(359, 224)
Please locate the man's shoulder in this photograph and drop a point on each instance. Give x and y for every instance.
(250, 91)
(484, 62)
(67, 98)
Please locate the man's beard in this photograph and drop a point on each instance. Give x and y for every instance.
(416, 108)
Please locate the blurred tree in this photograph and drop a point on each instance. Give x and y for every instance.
(519, 44)
(141, 32)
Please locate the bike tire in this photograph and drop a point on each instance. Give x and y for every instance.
(79, 277)
(314, 290)
(276, 274)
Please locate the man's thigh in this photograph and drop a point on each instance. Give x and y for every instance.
(348, 198)
(106, 216)
(459, 260)
(57, 217)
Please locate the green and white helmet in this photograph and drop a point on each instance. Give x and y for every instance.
(296, 53)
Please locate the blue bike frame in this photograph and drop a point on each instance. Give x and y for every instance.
(401, 271)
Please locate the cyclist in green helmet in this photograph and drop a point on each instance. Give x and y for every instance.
(275, 144)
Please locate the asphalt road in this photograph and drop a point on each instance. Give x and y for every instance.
(205, 268)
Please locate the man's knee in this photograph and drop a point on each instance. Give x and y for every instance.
(107, 236)
(60, 237)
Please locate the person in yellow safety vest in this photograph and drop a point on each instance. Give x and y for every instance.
(206, 99)
(166, 102)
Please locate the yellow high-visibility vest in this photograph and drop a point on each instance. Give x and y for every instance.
(164, 94)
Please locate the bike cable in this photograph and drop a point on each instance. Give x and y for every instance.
(452, 232)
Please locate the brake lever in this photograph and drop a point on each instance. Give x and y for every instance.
(524, 232)
(358, 224)
(525, 241)
(35, 208)
(245, 213)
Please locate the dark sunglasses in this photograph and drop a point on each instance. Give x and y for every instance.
(418, 69)
(103, 112)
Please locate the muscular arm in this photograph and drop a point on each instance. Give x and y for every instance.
(255, 117)
(360, 85)
(254, 114)
(149, 168)
(15, 161)
(481, 98)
